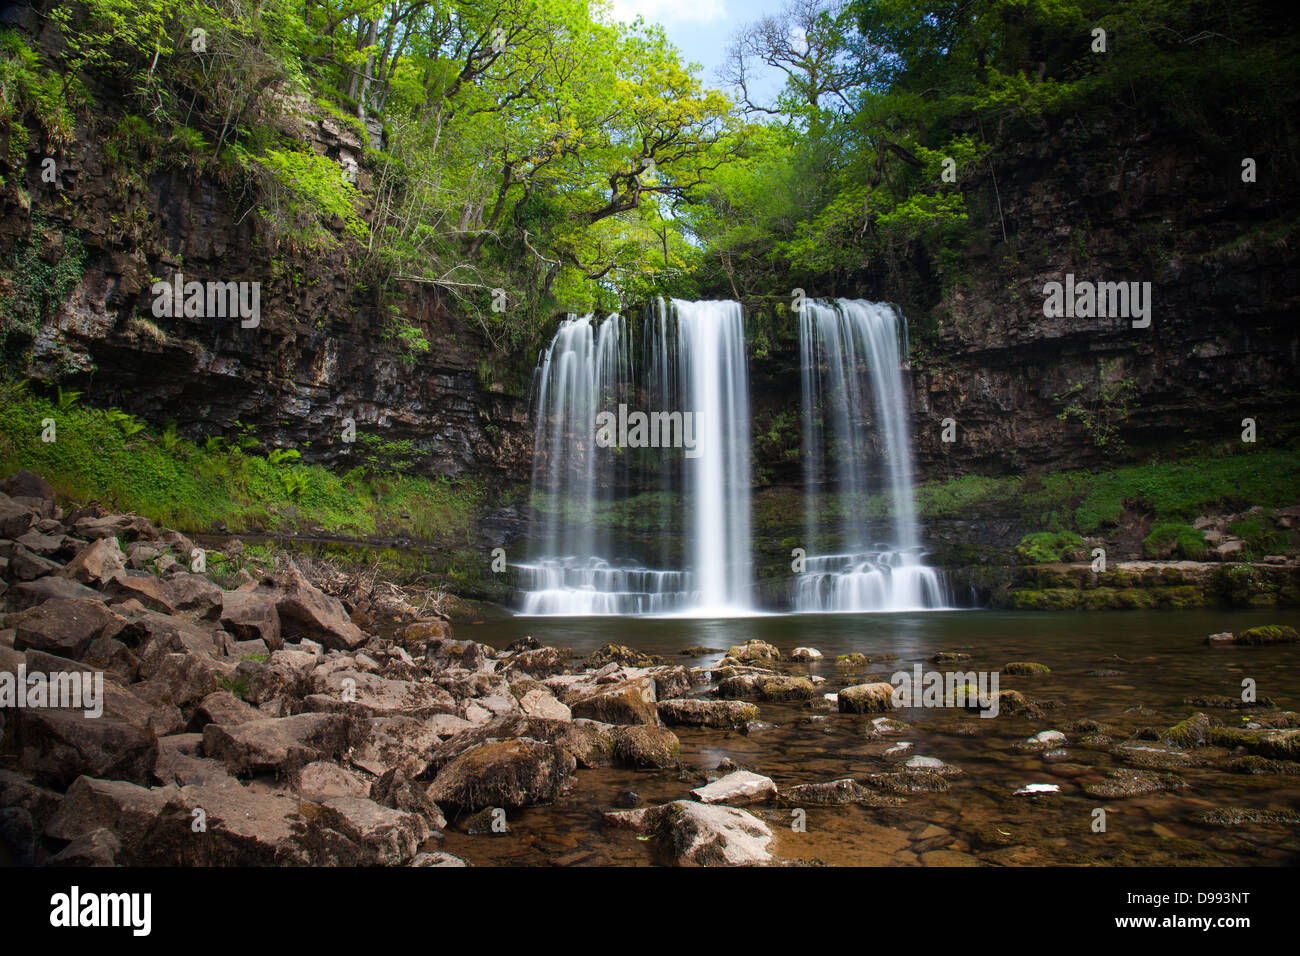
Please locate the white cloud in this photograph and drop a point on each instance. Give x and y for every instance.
(669, 11)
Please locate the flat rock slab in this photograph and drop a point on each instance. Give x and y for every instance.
(696, 712)
(737, 788)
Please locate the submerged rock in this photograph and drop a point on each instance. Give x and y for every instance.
(1132, 783)
(834, 793)
(1026, 667)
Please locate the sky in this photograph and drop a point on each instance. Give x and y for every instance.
(701, 29)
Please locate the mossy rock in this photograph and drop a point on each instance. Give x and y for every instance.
(1266, 634)
(852, 662)
(754, 650)
(786, 688)
(1026, 667)
(647, 747)
(1192, 731)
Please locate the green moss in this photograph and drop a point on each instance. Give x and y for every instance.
(1174, 539)
(1026, 667)
(1047, 599)
(1045, 547)
(104, 455)
(1267, 634)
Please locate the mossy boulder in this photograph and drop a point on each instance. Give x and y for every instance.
(647, 747)
(866, 698)
(786, 688)
(852, 662)
(695, 712)
(1026, 667)
(1266, 634)
(753, 651)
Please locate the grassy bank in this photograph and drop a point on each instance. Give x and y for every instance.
(106, 456)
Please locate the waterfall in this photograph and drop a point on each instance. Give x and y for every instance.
(715, 386)
(691, 362)
(855, 414)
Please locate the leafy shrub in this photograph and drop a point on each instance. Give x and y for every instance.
(1045, 547)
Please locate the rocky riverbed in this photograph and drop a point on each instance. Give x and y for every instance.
(293, 717)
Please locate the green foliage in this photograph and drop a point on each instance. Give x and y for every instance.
(307, 190)
(1101, 407)
(108, 456)
(41, 271)
(1174, 539)
(1045, 547)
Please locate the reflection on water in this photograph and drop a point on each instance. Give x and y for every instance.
(1126, 670)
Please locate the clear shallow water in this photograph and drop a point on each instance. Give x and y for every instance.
(1159, 659)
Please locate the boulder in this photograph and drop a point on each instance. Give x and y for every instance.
(384, 836)
(15, 517)
(307, 612)
(252, 615)
(96, 563)
(151, 591)
(538, 701)
(833, 794)
(127, 810)
(504, 773)
(806, 654)
(785, 687)
(64, 626)
(626, 702)
(31, 593)
(196, 597)
(618, 654)
(736, 788)
(395, 790)
(323, 778)
(97, 848)
(280, 745)
(697, 834)
(128, 527)
(223, 707)
(375, 696)
(697, 712)
(644, 746)
(866, 698)
(27, 484)
(58, 746)
(754, 651)
(401, 743)
(539, 663)
(25, 565)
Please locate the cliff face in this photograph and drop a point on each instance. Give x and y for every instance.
(1222, 344)
(323, 351)
(1102, 204)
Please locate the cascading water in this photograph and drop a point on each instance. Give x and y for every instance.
(692, 362)
(850, 353)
